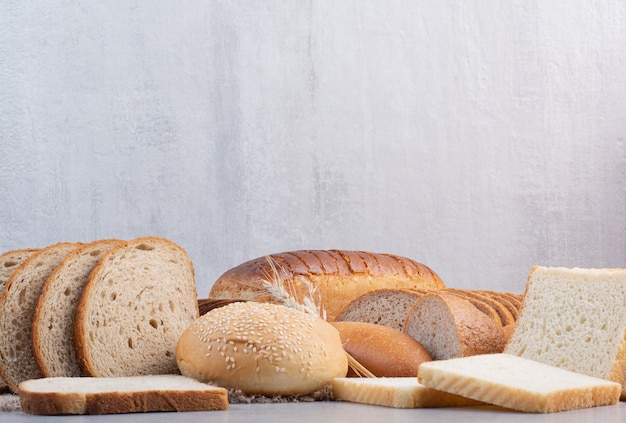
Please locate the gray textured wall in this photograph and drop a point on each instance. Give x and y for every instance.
(479, 137)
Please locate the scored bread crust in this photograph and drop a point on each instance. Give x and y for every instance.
(19, 300)
(330, 278)
(53, 334)
(119, 395)
(136, 303)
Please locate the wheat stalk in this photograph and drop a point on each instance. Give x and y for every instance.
(274, 287)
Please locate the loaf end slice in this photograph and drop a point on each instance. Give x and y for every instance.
(517, 383)
(86, 395)
(137, 302)
(395, 392)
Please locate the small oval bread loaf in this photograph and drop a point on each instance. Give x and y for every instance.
(262, 348)
(384, 351)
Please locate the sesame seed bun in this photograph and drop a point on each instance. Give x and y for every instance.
(262, 348)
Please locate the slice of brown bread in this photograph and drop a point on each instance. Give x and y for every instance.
(387, 307)
(137, 302)
(504, 299)
(19, 301)
(9, 261)
(484, 306)
(504, 315)
(53, 325)
(86, 395)
(450, 326)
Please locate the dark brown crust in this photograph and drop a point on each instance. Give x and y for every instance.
(326, 269)
(51, 403)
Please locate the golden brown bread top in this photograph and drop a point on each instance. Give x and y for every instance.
(330, 278)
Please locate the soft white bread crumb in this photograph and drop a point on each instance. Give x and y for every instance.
(574, 319)
(396, 392)
(518, 383)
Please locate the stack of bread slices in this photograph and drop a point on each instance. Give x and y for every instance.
(103, 309)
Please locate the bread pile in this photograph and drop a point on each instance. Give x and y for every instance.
(106, 308)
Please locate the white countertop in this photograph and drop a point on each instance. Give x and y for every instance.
(326, 412)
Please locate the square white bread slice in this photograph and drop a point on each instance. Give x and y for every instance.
(396, 392)
(86, 395)
(517, 383)
(574, 319)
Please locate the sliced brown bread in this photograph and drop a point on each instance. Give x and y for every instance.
(574, 319)
(481, 304)
(387, 307)
(136, 304)
(504, 315)
(86, 395)
(19, 301)
(53, 325)
(517, 383)
(450, 326)
(9, 261)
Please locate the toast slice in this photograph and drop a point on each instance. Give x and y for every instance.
(518, 383)
(135, 305)
(86, 395)
(53, 325)
(574, 319)
(395, 392)
(19, 301)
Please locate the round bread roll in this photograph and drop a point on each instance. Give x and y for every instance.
(384, 351)
(262, 348)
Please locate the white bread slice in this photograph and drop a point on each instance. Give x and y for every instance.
(17, 306)
(85, 395)
(574, 319)
(396, 392)
(9, 261)
(136, 304)
(53, 325)
(517, 383)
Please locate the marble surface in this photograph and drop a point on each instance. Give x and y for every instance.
(338, 411)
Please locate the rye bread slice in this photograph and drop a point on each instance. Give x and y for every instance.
(53, 325)
(17, 306)
(137, 302)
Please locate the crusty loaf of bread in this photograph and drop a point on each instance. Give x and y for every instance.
(9, 261)
(395, 392)
(53, 324)
(574, 319)
(135, 305)
(19, 301)
(88, 395)
(518, 383)
(449, 326)
(386, 307)
(328, 278)
(383, 351)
